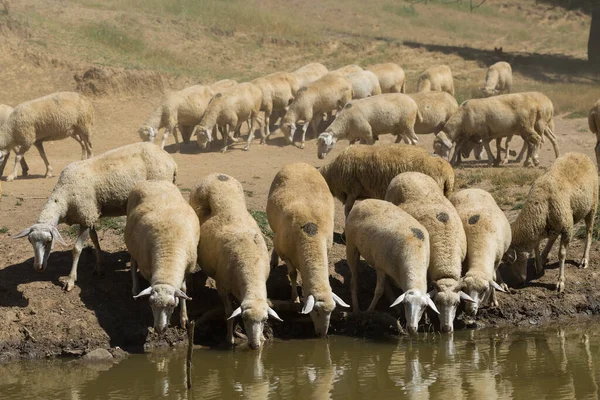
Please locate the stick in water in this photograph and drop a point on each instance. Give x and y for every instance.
(190, 350)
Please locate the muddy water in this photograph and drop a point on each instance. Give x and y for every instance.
(488, 364)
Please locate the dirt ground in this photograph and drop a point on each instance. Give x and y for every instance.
(39, 319)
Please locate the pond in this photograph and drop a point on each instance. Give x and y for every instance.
(556, 362)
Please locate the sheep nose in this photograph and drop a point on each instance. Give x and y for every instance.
(447, 328)
(253, 346)
(412, 330)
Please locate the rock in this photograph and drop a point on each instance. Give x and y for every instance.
(118, 353)
(98, 355)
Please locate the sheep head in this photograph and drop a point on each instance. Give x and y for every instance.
(254, 315)
(320, 311)
(288, 129)
(42, 237)
(415, 302)
(163, 300)
(325, 144)
(489, 91)
(480, 290)
(442, 145)
(447, 295)
(516, 259)
(147, 133)
(203, 136)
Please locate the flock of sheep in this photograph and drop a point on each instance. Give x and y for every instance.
(402, 216)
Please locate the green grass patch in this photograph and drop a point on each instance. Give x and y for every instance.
(111, 36)
(401, 10)
(115, 224)
(249, 193)
(518, 206)
(3, 229)
(576, 114)
(263, 223)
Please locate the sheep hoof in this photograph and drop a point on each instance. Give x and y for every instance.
(246, 148)
(560, 287)
(69, 285)
(10, 178)
(302, 146)
(583, 263)
(223, 150)
(184, 322)
(505, 287)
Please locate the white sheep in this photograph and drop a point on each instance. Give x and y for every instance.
(310, 73)
(436, 108)
(436, 79)
(498, 79)
(53, 117)
(557, 200)
(161, 235)
(420, 196)
(366, 119)
(362, 171)
(488, 238)
(364, 84)
(594, 123)
(278, 92)
(5, 111)
(391, 77)
(331, 92)
(184, 107)
(233, 252)
(394, 244)
(348, 69)
(228, 110)
(90, 189)
(300, 211)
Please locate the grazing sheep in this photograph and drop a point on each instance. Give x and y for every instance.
(594, 123)
(331, 92)
(420, 196)
(488, 238)
(394, 244)
(436, 108)
(4, 113)
(233, 252)
(90, 189)
(391, 77)
(368, 118)
(53, 117)
(436, 79)
(309, 73)
(300, 212)
(498, 79)
(559, 199)
(228, 110)
(161, 234)
(348, 69)
(364, 84)
(278, 92)
(362, 171)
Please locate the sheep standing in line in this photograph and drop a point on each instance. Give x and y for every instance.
(90, 189)
(5, 111)
(228, 110)
(436, 108)
(498, 79)
(364, 84)
(300, 212)
(309, 73)
(368, 118)
(278, 92)
(559, 199)
(233, 252)
(394, 244)
(436, 79)
(348, 69)
(594, 123)
(161, 234)
(488, 238)
(392, 78)
(420, 196)
(362, 171)
(53, 117)
(329, 93)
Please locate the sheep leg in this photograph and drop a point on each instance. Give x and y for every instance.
(40, 147)
(488, 150)
(548, 248)
(352, 258)
(565, 239)
(228, 311)
(550, 135)
(225, 138)
(83, 149)
(539, 265)
(379, 289)
(18, 158)
(589, 227)
(266, 132)
(165, 137)
(183, 316)
(251, 132)
(507, 149)
(99, 270)
(293, 281)
(350, 200)
(597, 150)
(84, 233)
(522, 152)
(304, 129)
(274, 259)
(176, 137)
(135, 288)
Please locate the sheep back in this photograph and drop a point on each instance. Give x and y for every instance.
(436, 79)
(436, 108)
(309, 73)
(391, 77)
(364, 84)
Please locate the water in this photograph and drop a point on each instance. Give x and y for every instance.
(552, 363)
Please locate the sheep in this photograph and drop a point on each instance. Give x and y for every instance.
(331, 92)
(594, 123)
(488, 238)
(309, 73)
(5, 111)
(161, 235)
(391, 77)
(300, 211)
(348, 69)
(182, 108)
(436, 79)
(498, 79)
(233, 252)
(394, 244)
(362, 171)
(436, 108)
(89, 190)
(278, 91)
(368, 118)
(228, 110)
(364, 84)
(53, 117)
(419, 195)
(557, 200)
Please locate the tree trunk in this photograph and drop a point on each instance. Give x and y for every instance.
(594, 40)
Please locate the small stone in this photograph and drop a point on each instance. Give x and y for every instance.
(533, 322)
(98, 355)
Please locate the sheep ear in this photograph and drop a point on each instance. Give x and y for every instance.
(510, 256)
(399, 300)
(431, 304)
(274, 315)
(432, 293)
(23, 233)
(466, 297)
(496, 286)
(56, 235)
(309, 305)
(338, 300)
(235, 313)
(143, 293)
(180, 293)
